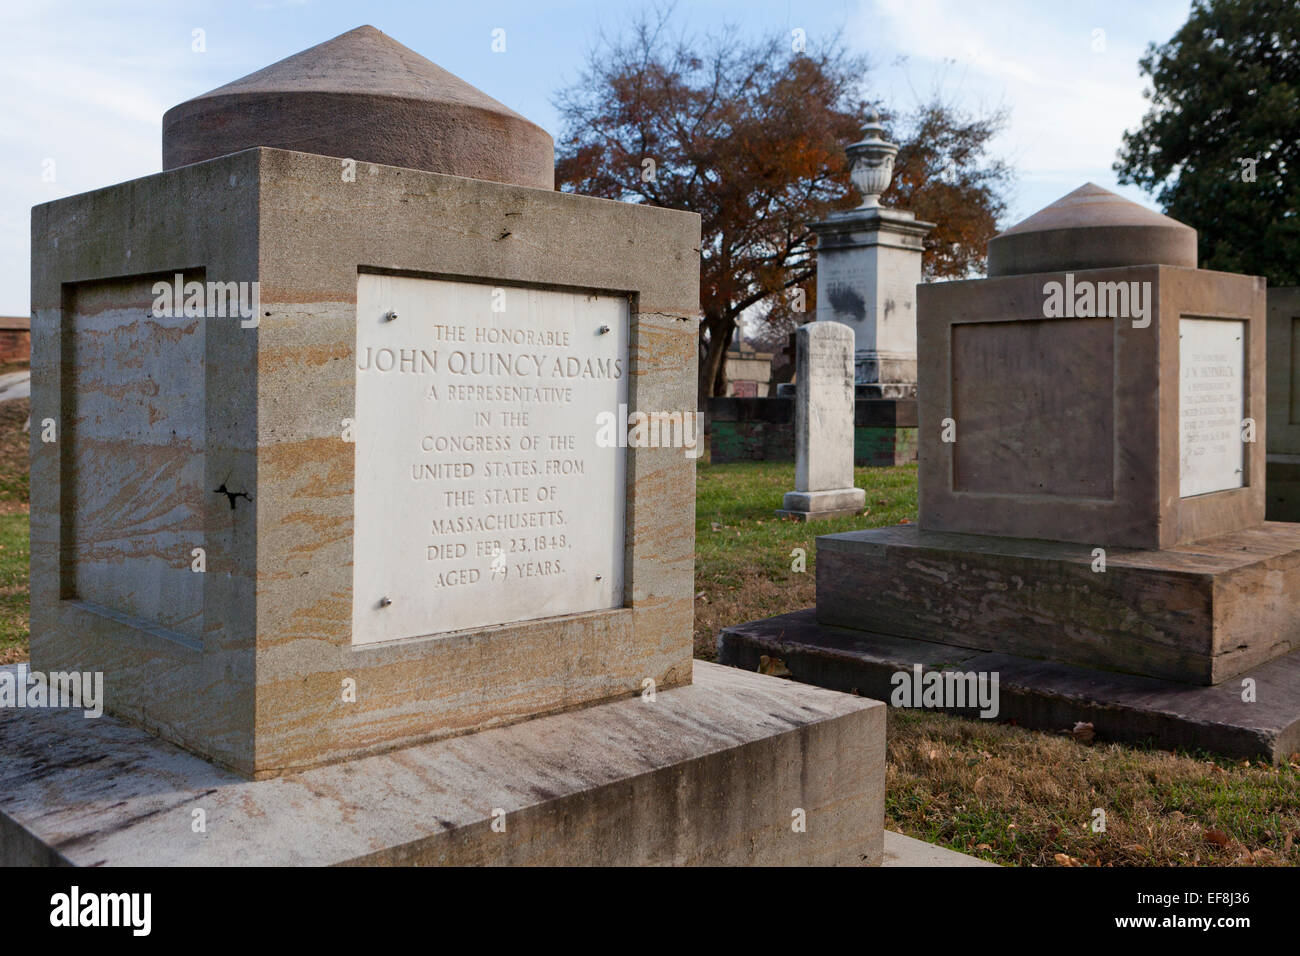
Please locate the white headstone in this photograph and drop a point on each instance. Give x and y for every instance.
(824, 423)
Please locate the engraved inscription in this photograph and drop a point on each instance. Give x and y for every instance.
(481, 495)
(1211, 404)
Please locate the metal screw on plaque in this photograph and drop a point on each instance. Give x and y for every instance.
(390, 317)
(385, 601)
(604, 329)
(599, 577)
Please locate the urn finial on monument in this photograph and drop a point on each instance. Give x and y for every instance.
(871, 161)
(868, 266)
(364, 96)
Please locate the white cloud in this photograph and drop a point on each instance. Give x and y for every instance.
(1069, 103)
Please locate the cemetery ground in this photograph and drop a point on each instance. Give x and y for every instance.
(13, 529)
(1013, 796)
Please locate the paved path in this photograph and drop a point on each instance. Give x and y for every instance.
(15, 385)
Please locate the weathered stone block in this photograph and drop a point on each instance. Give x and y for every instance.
(1200, 613)
(1068, 428)
(824, 410)
(230, 436)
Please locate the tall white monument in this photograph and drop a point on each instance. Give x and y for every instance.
(868, 267)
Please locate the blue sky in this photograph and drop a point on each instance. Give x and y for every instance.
(85, 84)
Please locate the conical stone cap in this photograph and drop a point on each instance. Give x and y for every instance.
(1091, 228)
(364, 96)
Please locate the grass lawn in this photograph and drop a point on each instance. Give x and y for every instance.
(1001, 792)
(14, 602)
(743, 551)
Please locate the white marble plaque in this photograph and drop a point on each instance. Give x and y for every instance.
(1211, 405)
(481, 495)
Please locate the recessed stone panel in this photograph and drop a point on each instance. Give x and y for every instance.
(133, 478)
(1032, 407)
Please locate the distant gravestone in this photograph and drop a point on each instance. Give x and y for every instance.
(823, 425)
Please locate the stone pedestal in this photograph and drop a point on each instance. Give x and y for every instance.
(337, 504)
(1200, 613)
(1283, 439)
(823, 426)
(868, 268)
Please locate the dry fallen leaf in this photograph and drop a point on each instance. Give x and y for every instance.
(1217, 837)
(773, 667)
(1064, 859)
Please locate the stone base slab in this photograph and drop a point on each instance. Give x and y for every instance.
(710, 773)
(1282, 488)
(877, 375)
(812, 505)
(1198, 613)
(884, 391)
(907, 851)
(1043, 695)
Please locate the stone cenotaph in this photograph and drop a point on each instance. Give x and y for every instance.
(1092, 421)
(319, 490)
